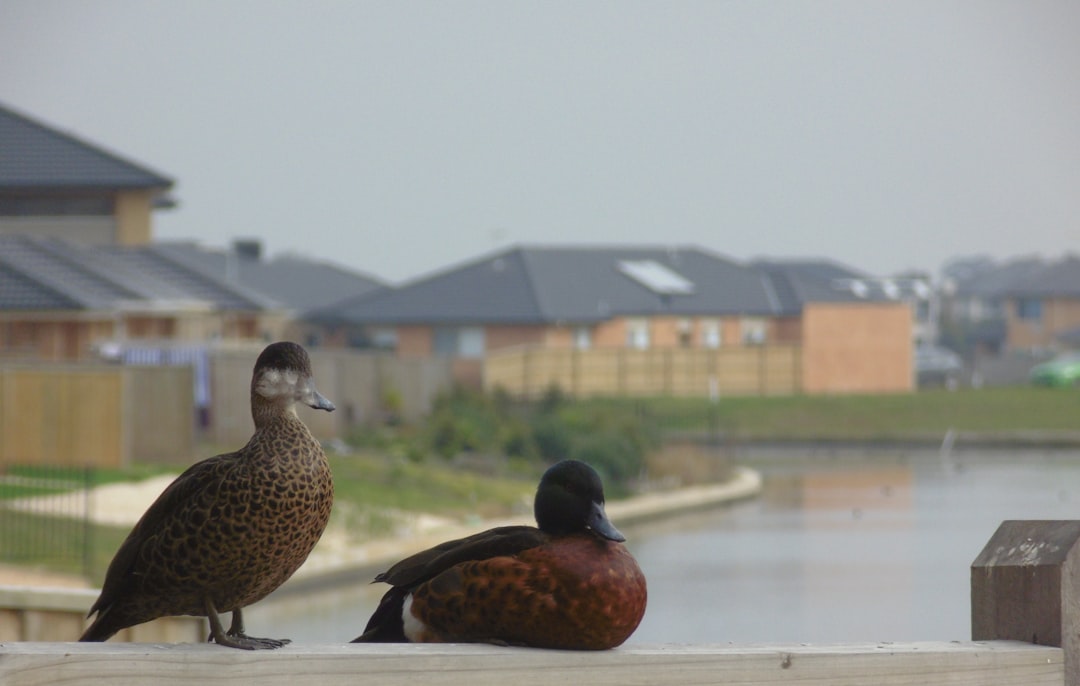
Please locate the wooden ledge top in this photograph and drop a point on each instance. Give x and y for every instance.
(990, 662)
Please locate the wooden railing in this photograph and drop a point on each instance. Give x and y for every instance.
(1025, 616)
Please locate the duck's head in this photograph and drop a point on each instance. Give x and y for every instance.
(283, 376)
(570, 499)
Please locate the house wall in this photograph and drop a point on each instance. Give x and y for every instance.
(731, 331)
(54, 339)
(785, 330)
(1058, 315)
(610, 334)
(664, 331)
(498, 337)
(73, 336)
(131, 223)
(133, 217)
(857, 348)
(414, 341)
(559, 337)
(84, 230)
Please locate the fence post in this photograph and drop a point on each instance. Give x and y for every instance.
(1025, 586)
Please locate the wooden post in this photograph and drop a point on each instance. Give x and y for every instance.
(1025, 585)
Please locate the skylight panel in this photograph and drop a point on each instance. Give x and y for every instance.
(656, 277)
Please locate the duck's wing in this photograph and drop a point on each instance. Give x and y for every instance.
(385, 624)
(120, 577)
(503, 540)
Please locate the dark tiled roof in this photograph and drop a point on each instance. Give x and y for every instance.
(48, 264)
(160, 264)
(531, 284)
(797, 282)
(21, 292)
(293, 281)
(36, 156)
(995, 281)
(1060, 279)
(50, 274)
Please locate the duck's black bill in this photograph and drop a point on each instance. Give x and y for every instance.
(599, 522)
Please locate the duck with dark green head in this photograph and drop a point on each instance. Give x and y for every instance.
(569, 584)
(231, 528)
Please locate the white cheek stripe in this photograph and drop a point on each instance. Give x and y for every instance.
(412, 627)
(275, 384)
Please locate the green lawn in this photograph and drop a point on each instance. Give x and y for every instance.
(868, 417)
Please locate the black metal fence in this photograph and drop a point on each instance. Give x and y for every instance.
(45, 517)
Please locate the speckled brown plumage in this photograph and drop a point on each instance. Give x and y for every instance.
(571, 584)
(231, 528)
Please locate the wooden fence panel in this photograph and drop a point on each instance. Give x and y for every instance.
(62, 416)
(657, 372)
(358, 383)
(597, 372)
(159, 414)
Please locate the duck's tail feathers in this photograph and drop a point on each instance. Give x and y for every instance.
(386, 624)
(101, 629)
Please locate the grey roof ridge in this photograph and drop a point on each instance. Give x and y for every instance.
(770, 292)
(161, 181)
(327, 263)
(61, 286)
(527, 267)
(254, 297)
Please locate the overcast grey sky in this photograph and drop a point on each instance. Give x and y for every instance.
(400, 137)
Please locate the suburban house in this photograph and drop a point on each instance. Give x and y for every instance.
(1024, 305)
(79, 268)
(973, 318)
(61, 301)
(1042, 309)
(54, 185)
(834, 330)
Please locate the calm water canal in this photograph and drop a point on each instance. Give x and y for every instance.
(841, 546)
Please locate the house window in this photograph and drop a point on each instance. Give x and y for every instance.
(459, 341)
(384, 338)
(922, 311)
(1029, 308)
(637, 334)
(753, 331)
(685, 331)
(471, 341)
(582, 338)
(711, 333)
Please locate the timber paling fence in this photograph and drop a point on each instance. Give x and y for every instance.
(45, 516)
(1025, 630)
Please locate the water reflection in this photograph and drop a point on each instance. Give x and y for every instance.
(840, 547)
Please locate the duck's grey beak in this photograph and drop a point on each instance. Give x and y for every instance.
(599, 522)
(317, 400)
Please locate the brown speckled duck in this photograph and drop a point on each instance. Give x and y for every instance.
(569, 584)
(231, 528)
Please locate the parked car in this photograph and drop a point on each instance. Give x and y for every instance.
(1062, 371)
(936, 365)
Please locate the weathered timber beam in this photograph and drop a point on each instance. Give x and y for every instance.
(1002, 663)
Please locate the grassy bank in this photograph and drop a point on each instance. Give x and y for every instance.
(995, 412)
(371, 492)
